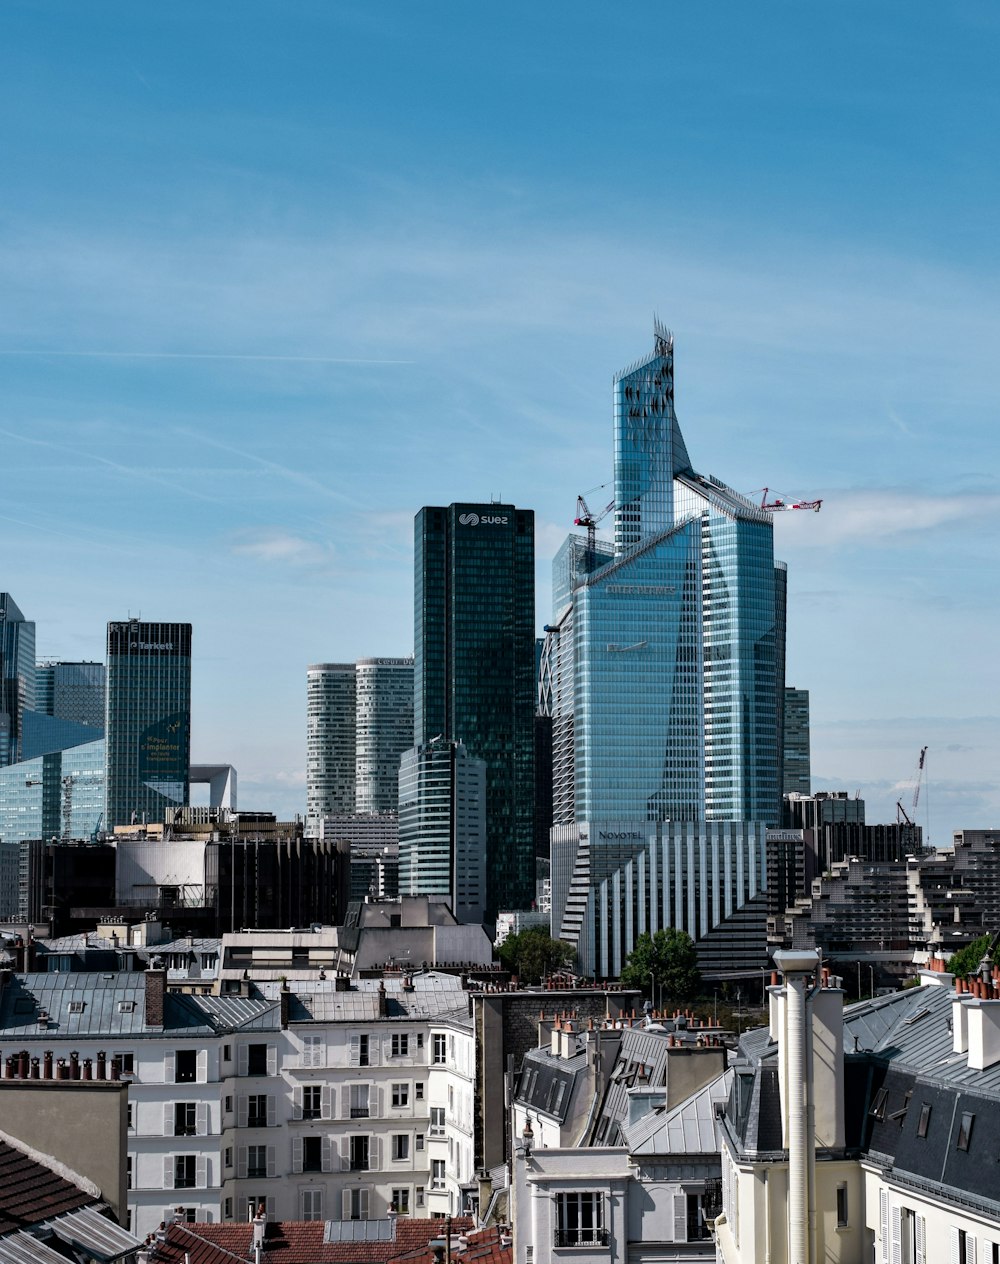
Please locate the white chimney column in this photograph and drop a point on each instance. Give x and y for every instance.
(796, 966)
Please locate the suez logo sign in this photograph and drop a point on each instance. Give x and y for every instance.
(483, 520)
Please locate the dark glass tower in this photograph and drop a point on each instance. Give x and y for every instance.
(475, 670)
(17, 677)
(148, 720)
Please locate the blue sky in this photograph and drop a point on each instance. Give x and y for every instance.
(272, 276)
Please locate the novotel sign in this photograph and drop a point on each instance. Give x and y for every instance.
(483, 520)
(620, 834)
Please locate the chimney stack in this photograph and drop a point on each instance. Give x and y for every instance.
(156, 988)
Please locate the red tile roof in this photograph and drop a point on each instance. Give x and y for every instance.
(301, 1242)
(30, 1192)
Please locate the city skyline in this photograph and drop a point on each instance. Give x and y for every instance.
(269, 291)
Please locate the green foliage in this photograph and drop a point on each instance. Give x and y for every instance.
(531, 954)
(966, 960)
(667, 959)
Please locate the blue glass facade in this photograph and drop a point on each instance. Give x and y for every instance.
(58, 795)
(663, 670)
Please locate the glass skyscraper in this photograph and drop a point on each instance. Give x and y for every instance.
(17, 677)
(475, 678)
(664, 669)
(148, 728)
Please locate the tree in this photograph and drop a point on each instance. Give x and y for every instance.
(531, 954)
(966, 960)
(666, 959)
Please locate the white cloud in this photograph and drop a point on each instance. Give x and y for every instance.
(881, 513)
(281, 546)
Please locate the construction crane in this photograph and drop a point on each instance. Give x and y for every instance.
(586, 518)
(778, 505)
(910, 818)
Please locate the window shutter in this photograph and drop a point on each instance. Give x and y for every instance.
(375, 1154)
(346, 1204)
(364, 1203)
(326, 1158)
(271, 1164)
(241, 1162)
(201, 1171)
(375, 1095)
(345, 1103)
(168, 1068)
(326, 1102)
(242, 1060)
(272, 1110)
(242, 1111)
(272, 1059)
(269, 1207)
(970, 1249)
(168, 1119)
(355, 1050)
(921, 1236)
(297, 1102)
(883, 1204)
(296, 1154)
(201, 1119)
(168, 1171)
(897, 1234)
(680, 1217)
(319, 1053)
(202, 1066)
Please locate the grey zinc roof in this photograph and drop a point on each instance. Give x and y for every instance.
(113, 1004)
(689, 1128)
(99, 1237)
(434, 996)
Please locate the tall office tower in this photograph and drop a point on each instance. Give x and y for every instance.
(442, 826)
(330, 741)
(71, 691)
(17, 677)
(383, 730)
(796, 775)
(359, 720)
(148, 720)
(664, 669)
(474, 676)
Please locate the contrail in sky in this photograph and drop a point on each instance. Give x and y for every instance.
(196, 355)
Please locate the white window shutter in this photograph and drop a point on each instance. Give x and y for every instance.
(319, 1053)
(326, 1158)
(970, 1249)
(375, 1154)
(680, 1217)
(202, 1066)
(168, 1119)
(376, 1102)
(355, 1050)
(205, 1216)
(271, 1161)
(921, 1236)
(297, 1102)
(201, 1171)
(346, 1204)
(374, 1046)
(883, 1203)
(896, 1217)
(201, 1119)
(241, 1162)
(242, 1060)
(326, 1102)
(168, 1171)
(269, 1207)
(364, 1202)
(242, 1111)
(296, 1154)
(272, 1110)
(168, 1068)
(272, 1059)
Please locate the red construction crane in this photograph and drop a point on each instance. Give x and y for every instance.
(585, 518)
(780, 506)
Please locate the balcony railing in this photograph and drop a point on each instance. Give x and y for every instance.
(359, 1112)
(582, 1237)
